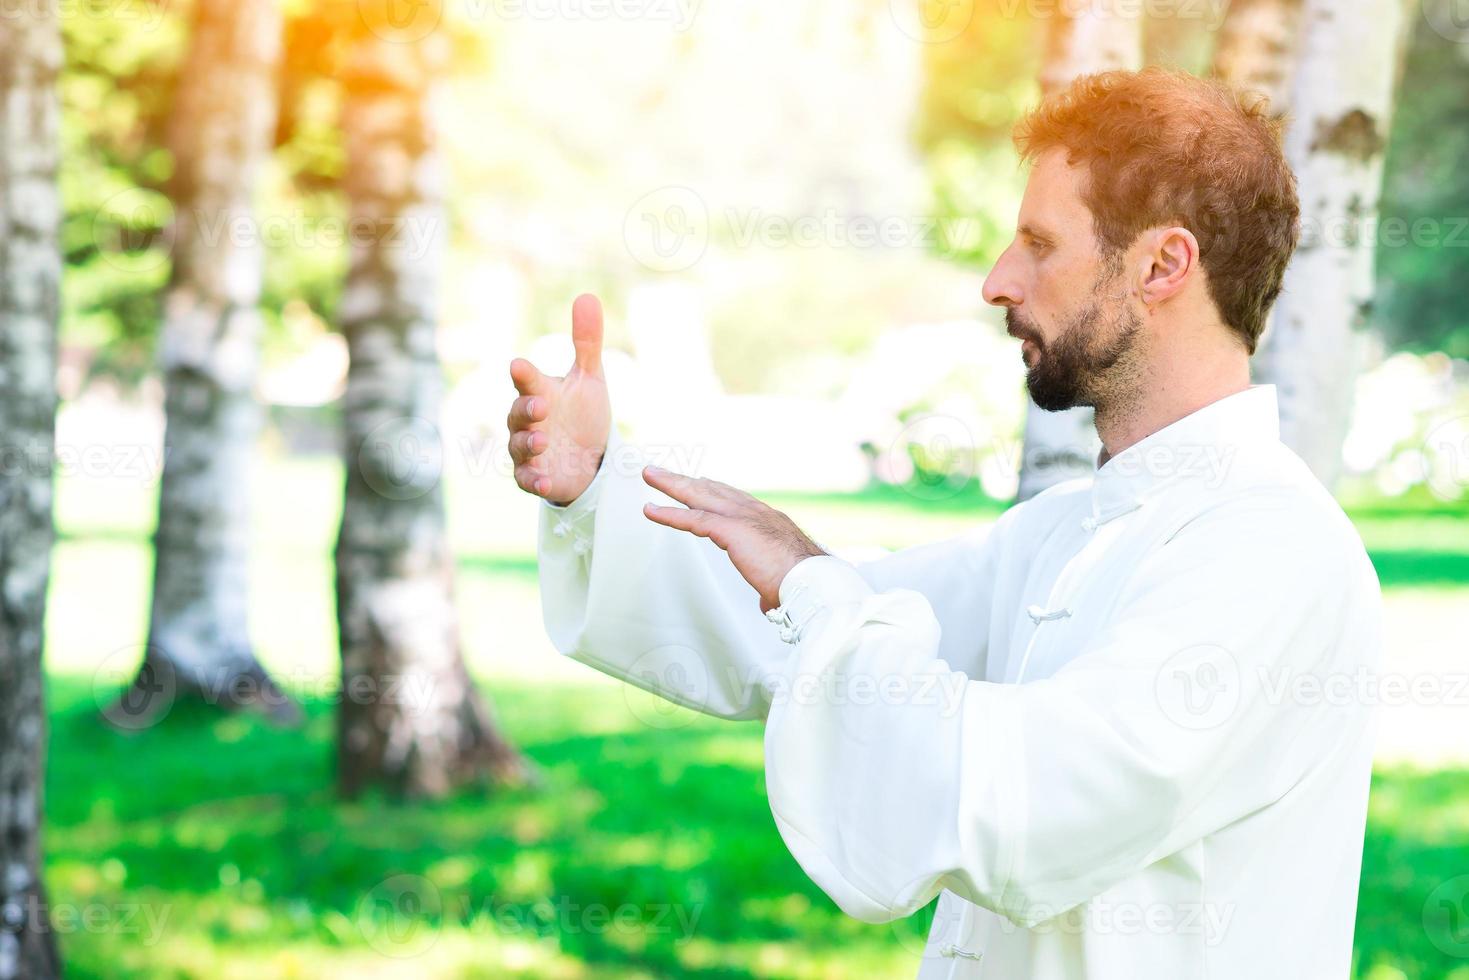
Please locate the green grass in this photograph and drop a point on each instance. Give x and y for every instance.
(225, 833)
(212, 846)
(229, 829)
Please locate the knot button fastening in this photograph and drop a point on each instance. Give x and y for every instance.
(1038, 615)
(781, 617)
(561, 529)
(949, 949)
(581, 546)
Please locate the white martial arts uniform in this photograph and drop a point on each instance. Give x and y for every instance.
(1124, 733)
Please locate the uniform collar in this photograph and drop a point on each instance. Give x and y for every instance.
(1201, 445)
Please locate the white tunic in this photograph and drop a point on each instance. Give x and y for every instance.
(1121, 734)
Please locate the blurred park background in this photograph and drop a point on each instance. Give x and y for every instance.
(788, 209)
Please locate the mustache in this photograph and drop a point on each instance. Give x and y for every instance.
(1021, 330)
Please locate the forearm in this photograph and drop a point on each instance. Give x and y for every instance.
(657, 608)
(864, 749)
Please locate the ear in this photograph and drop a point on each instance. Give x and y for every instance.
(1168, 265)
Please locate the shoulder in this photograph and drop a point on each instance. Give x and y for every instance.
(1271, 503)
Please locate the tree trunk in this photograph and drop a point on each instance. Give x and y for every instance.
(30, 277)
(410, 719)
(1341, 102)
(223, 128)
(1101, 36)
(1257, 49)
(1085, 38)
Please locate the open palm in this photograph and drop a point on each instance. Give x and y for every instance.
(559, 425)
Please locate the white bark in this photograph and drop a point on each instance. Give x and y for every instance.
(30, 277)
(1341, 103)
(223, 131)
(1257, 48)
(1089, 37)
(395, 568)
(1099, 36)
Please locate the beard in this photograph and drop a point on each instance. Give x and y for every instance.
(1082, 363)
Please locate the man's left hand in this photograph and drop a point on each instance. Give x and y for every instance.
(763, 543)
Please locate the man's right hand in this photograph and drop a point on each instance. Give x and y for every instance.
(559, 426)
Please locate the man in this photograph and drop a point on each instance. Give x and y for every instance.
(1103, 733)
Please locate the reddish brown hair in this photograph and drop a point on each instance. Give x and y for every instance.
(1163, 147)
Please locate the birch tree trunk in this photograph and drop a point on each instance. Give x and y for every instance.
(411, 719)
(1257, 48)
(223, 131)
(1082, 38)
(1342, 104)
(30, 277)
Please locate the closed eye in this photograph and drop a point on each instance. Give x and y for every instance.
(1033, 240)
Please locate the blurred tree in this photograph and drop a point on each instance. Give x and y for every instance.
(976, 84)
(1342, 102)
(222, 135)
(123, 63)
(1180, 34)
(30, 282)
(117, 85)
(1257, 48)
(411, 719)
(1060, 446)
(1423, 253)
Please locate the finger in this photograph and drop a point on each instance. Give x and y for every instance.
(586, 333)
(525, 411)
(527, 377)
(526, 444)
(692, 520)
(688, 490)
(529, 479)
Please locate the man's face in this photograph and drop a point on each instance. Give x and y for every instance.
(1063, 298)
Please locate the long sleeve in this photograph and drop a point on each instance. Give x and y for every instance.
(659, 608)
(897, 776)
(666, 611)
(958, 577)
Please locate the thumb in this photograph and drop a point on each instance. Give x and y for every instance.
(527, 377)
(586, 333)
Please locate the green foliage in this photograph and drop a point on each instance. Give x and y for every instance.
(1423, 262)
(121, 65)
(977, 85)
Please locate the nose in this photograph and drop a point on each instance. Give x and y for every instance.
(1002, 286)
